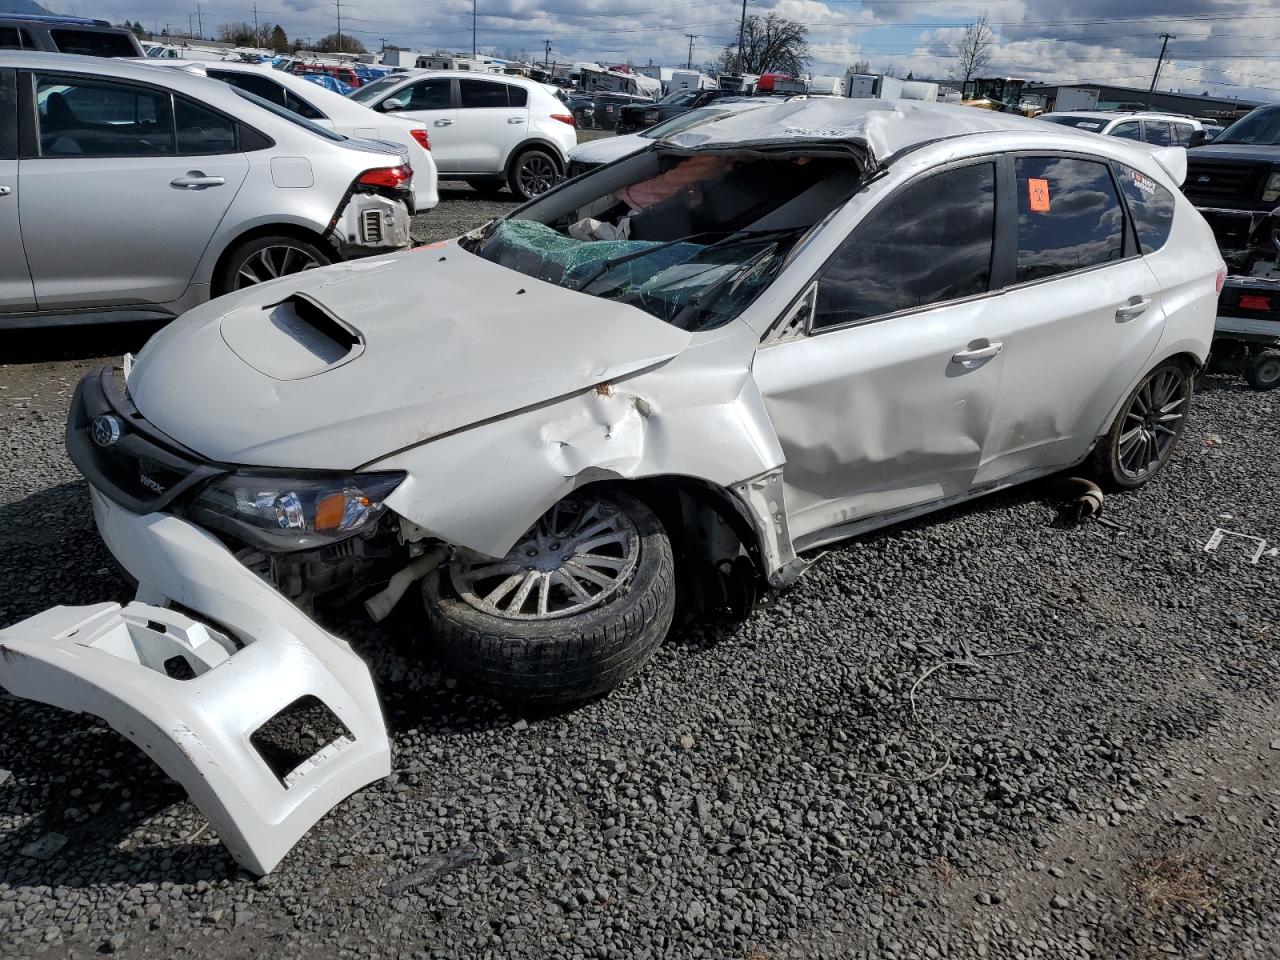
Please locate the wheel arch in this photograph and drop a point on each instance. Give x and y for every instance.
(1185, 352)
(298, 230)
(536, 143)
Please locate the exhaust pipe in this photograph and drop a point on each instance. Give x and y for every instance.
(380, 605)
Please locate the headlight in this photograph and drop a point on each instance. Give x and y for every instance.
(293, 512)
(1271, 193)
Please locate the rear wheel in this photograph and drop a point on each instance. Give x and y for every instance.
(266, 258)
(534, 173)
(578, 604)
(1264, 370)
(1143, 438)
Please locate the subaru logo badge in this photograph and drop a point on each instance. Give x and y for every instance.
(105, 430)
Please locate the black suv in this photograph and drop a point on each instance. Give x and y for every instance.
(91, 38)
(1235, 183)
(641, 115)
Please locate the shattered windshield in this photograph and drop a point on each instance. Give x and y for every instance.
(692, 242)
(1259, 127)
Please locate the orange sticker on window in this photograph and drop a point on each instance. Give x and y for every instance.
(1038, 191)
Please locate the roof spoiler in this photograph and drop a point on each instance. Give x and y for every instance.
(1174, 161)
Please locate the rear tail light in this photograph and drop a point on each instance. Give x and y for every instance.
(422, 136)
(392, 177)
(1255, 301)
(1222, 278)
(564, 118)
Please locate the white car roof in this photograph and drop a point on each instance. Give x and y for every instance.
(1106, 116)
(884, 127)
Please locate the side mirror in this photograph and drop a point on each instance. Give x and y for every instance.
(1197, 138)
(391, 105)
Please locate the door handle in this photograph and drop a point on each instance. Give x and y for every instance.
(195, 180)
(5, 191)
(515, 119)
(975, 354)
(1132, 310)
(443, 123)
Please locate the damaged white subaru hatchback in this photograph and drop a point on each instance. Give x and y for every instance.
(664, 380)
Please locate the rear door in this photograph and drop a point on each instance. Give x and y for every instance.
(1081, 318)
(123, 185)
(16, 293)
(493, 119)
(1156, 133)
(430, 103)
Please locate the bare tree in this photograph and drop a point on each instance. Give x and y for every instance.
(771, 43)
(973, 51)
(859, 66)
(241, 34)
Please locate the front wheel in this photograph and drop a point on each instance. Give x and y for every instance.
(1143, 438)
(266, 258)
(534, 173)
(579, 604)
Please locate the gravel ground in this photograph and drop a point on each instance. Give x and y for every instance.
(1100, 781)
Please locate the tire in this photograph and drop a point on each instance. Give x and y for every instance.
(258, 257)
(1147, 429)
(488, 188)
(533, 173)
(1264, 370)
(560, 659)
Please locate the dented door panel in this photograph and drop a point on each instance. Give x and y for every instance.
(879, 416)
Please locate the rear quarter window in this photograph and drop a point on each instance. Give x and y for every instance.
(1150, 205)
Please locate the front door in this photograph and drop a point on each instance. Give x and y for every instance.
(1083, 316)
(886, 403)
(430, 103)
(127, 188)
(16, 293)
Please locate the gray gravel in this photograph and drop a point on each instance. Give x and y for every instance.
(1106, 788)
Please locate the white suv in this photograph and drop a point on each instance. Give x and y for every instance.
(485, 129)
(1157, 129)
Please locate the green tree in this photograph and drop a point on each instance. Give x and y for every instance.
(279, 41)
(330, 44)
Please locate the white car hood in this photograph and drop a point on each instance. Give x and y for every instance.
(379, 355)
(608, 149)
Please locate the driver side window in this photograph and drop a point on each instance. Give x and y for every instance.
(928, 243)
(426, 95)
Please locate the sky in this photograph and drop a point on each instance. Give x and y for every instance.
(1225, 47)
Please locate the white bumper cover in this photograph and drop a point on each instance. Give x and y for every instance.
(119, 664)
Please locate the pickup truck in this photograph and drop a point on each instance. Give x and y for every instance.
(1235, 183)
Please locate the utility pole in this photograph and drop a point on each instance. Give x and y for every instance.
(190, 27)
(742, 32)
(257, 35)
(1159, 63)
(692, 37)
(473, 28)
(338, 4)
(200, 19)
(546, 57)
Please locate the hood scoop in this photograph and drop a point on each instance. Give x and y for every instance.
(291, 340)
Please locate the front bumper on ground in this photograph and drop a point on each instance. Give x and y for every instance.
(263, 656)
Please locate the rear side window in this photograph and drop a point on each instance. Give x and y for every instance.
(479, 93)
(299, 106)
(1150, 205)
(1129, 130)
(1069, 217)
(100, 118)
(201, 131)
(518, 96)
(928, 243)
(266, 89)
(1182, 133)
(9, 39)
(93, 43)
(1156, 132)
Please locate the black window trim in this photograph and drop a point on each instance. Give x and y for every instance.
(1129, 250)
(29, 139)
(9, 120)
(457, 90)
(998, 244)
